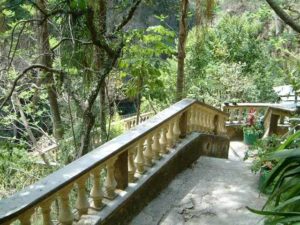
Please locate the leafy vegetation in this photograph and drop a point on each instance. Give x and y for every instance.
(282, 206)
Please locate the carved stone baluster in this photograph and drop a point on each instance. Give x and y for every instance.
(209, 124)
(204, 126)
(281, 119)
(195, 119)
(163, 141)
(156, 146)
(196, 124)
(189, 118)
(25, 218)
(212, 125)
(240, 118)
(65, 215)
(192, 119)
(148, 152)
(46, 212)
(96, 191)
(170, 135)
(110, 183)
(139, 159)
(131, 165)
(231, 115)
(82, 203)
(176, 129)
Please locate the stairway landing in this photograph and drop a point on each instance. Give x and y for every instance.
(211, 192)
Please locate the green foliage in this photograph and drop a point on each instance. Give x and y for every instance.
(228, 61)
(142, 63)
(283, 203)
(18, 169)
(260, 150)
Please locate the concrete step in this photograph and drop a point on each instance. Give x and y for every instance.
(212, 192)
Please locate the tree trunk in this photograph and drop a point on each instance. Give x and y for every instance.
(181, 50)
(48, 80)
(100, 62)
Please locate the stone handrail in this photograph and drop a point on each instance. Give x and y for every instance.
(121, 159)
(128, 123)
(131, 121)
(238, 112)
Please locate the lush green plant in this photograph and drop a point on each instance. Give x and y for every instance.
(260, 150)
(282, 206)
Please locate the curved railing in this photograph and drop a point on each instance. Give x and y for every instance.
(117, 162)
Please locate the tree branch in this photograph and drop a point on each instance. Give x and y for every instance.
(128, 17)
(15, 82)
(96, 39)
(284, 16)
(70, 39)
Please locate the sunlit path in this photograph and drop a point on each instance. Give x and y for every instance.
(213, 191)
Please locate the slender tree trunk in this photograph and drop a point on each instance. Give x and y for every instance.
(100, 62)
(48, 80)
(181, 50)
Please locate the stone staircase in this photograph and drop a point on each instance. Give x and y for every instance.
(211, 192)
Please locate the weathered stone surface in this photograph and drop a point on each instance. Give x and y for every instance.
(211, 192)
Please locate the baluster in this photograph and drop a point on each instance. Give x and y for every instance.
(240, 115)
(189, 121)
(197, 119)
(131, 165)
(148, 152)
(192, 119)
(204, 122)
(281, 120)
(170, 135)
(139, 159)
(156, 146)
(110, 183)
(176, 130)
(25, 218)
(65, 216)
(211, 122)
(126, 126)
(82, 203)
(96, 191)
(163, 141)
(46, 212)
(231, 116)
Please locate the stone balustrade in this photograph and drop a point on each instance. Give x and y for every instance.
(238, 113)
(275, 117)
(131, 122)
(93, 180)
(128, 123)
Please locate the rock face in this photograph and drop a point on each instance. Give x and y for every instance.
(211, 192)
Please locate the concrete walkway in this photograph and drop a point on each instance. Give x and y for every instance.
(211, 192)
